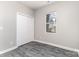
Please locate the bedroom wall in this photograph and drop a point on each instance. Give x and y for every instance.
(7, 25)
(25, 24)
(67, 24)
(22, 9)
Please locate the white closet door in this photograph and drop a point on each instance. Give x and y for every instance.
(25, 29)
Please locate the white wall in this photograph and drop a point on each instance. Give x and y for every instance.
(8, 20)
(22, 9)
(67, 24)
(7, 25)
(25, 24)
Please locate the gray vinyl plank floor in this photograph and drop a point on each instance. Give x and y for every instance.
(36, 49)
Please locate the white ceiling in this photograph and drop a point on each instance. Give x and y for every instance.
(35, 4)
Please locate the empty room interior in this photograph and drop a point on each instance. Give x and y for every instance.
(39, 28)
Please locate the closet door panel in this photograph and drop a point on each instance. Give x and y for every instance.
(25, 29)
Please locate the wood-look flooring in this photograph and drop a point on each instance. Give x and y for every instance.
(36, 49)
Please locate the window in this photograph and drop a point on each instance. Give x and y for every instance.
(51, 22)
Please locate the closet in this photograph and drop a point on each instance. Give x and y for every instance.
(25, 28)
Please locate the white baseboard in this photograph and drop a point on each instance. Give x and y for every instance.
(67, 48)
(7, 50)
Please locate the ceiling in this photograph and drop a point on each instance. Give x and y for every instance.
(36, 4)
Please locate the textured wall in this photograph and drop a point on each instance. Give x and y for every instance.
(8, 25)
(8, 20)
(67, 26)
(25, 24)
